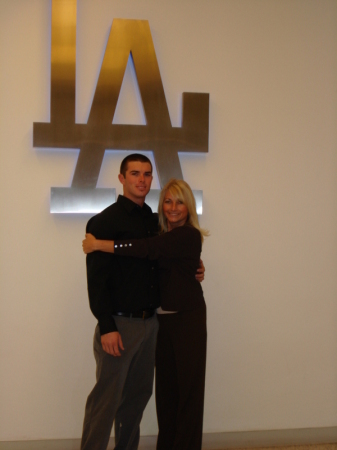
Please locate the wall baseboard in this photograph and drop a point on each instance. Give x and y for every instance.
(321, 438)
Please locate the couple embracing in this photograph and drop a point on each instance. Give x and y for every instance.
(144, 274)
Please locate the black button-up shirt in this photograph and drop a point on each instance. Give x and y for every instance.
(119, 283)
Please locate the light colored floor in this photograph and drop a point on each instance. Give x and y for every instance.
(303, 439)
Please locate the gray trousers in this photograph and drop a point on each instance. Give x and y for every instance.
(123, 387)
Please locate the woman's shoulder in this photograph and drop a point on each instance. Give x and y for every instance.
(187, 230)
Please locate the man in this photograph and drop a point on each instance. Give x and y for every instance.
(123, 296)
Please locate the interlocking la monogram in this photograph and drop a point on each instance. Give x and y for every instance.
(99, 133)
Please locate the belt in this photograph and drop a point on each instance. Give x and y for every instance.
(142, 314)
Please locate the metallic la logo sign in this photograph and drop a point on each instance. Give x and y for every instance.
(99, 133)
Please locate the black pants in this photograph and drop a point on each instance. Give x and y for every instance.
(180, 379)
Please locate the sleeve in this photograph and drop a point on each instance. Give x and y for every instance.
(99, 266)
(181, 242)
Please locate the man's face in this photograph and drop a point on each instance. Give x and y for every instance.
(137, 181)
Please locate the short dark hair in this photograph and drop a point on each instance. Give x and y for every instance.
(130, 158)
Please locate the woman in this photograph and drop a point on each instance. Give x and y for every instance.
(181, 344)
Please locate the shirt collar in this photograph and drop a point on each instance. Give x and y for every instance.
(130, 206)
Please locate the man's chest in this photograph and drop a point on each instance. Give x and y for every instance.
(134, 227)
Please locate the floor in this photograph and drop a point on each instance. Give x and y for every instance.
(302, 439)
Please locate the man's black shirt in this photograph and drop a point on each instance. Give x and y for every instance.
(119, 283)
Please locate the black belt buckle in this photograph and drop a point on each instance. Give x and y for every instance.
(147, 314)
(142, 314)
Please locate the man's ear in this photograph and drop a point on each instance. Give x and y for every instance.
(121, 178)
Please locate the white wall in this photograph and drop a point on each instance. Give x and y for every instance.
(270, 202)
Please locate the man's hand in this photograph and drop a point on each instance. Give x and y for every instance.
(89, 243)
(200, 275)
(112, 343)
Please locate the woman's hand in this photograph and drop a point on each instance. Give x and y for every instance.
(200, 275)
(89, 243)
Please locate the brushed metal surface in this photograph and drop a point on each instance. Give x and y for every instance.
(99, 133)
(63, 62)
(80, 200)
(93, 200)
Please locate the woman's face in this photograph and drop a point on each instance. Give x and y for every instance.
(175, 211)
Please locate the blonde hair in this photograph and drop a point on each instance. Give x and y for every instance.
(180, 190)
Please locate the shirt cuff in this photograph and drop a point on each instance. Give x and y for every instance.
(107, 324)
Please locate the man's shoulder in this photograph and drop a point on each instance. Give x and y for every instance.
(120, 216)
(110, 210)
(104, 218)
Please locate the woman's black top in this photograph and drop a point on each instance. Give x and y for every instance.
(178, 253)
